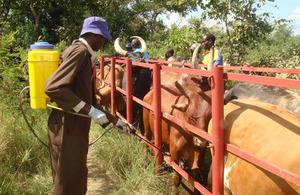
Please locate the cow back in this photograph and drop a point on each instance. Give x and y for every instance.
(169, 78)
(267, 131)
(274, 95)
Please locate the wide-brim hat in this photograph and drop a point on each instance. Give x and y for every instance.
(96, 25)
(128, 45)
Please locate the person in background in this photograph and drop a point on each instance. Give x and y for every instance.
(71, 87)
(208, 41)
(169, 56)
(137, 48)
(117, 54)
(129, 47)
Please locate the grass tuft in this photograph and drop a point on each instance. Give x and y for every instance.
(130, 165)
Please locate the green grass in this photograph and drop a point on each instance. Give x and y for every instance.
(25, 163)
(130, 165)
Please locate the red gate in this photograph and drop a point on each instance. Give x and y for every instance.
(217, 137)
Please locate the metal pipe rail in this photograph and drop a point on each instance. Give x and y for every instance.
(217, 138)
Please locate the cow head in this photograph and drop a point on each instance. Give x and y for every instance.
(197, 91)
(198, 103)
(141, 79)
(134, 56)
(103, 91)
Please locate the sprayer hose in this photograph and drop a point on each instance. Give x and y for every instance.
(26, 120)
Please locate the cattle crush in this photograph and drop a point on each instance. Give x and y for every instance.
(216, 76)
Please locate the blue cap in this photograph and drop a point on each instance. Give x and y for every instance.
(41, 45)
(128, 45)
(96, 25)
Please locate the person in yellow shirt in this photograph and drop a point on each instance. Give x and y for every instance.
(208, 41)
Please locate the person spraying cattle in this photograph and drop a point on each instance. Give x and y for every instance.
(70, 88)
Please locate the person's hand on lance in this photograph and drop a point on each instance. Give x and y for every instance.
(100, 118)
(122, 125)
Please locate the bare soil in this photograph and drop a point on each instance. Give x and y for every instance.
(99, 181)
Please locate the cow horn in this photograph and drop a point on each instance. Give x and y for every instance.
(143, 44)
(102, 84)
(211, 60)
(118, 48)
(182, 90)
(195, 56)
(182, 107)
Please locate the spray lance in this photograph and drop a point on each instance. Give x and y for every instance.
(42, 62)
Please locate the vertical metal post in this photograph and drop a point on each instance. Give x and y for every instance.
(101, 69)
(217, 130)
(157, 115)
(128, 91)
(113, 86)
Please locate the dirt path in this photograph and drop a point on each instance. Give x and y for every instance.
(98, 180)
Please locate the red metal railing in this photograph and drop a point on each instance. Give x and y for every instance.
(217, 86)
(157, 114)
(217, 137)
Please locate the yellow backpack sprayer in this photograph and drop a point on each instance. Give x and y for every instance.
(42, 62)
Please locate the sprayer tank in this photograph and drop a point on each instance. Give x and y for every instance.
(42, 62)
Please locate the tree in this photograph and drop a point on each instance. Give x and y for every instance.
(53, 21)
(282, 33)
(279, 50)
(181, 38)
(244, 27)
(58, 20)
(41, 20)
(151, 9)
(4, 12)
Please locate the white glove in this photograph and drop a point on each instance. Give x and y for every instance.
(98, 116)
(122, 125)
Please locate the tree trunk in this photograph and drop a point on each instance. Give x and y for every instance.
(36, 20)
(4, 11)
(230, 43)
(152, 26)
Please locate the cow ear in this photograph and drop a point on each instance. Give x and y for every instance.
(181, 107)
(199, 79)
(202, 82)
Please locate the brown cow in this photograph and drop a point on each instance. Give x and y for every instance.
(103, 89)
(169, 78)
(267, 131)
(185, 148)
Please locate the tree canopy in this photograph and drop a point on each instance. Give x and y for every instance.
(241, 27)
